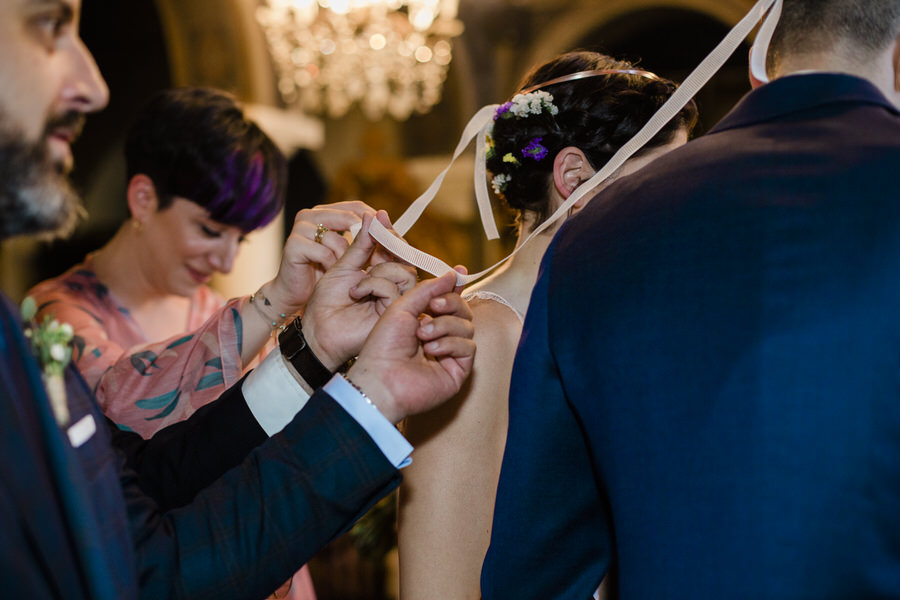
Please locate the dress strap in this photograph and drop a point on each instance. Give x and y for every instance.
(486, 295)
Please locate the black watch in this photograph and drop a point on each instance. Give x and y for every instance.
(295, 349)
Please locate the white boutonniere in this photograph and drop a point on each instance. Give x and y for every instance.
(51, 342)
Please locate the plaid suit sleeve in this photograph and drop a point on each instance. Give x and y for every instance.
(249, 531)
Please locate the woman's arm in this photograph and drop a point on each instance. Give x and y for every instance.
(447, 496)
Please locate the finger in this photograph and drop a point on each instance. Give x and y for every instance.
(416, 300)
(300, 249)
(459, 367)
(450, 303)
(376, 286)
(337, 217)
(307, 232)
(381, 255)
(356, 257)
(462, 270)
(451, 347)
(335, 242)
(405, 276)
(446, 326)
(357, 207)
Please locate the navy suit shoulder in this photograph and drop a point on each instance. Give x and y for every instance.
(723, 335)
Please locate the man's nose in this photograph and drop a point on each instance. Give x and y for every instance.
(86, 90)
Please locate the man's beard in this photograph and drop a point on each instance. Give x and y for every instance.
(36, 196)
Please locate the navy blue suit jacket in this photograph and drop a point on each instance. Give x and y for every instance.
(706, 398)
(100, 521)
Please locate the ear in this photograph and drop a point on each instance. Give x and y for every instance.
(570, 169)
(142, 199)
(754, 82)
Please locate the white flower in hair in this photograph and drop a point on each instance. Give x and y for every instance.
(532, 103)
(499, 183)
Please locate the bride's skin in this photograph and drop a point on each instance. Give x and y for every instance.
(447, 497)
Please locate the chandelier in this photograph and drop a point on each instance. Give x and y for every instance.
(389, 56)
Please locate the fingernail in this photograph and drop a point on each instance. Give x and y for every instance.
(439, 303)
(428, 328)
(431, 347)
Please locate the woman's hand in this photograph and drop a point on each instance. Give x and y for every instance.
(306, 257)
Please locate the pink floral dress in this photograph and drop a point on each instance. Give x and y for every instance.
(145, 385)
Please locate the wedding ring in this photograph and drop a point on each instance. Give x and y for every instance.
(320, 233)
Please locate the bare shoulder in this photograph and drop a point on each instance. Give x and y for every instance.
(495, 322)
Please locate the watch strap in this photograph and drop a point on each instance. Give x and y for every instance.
(296, 350)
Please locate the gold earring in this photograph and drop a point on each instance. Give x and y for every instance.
(137, 225)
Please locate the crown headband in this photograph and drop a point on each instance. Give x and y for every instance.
(768, 11)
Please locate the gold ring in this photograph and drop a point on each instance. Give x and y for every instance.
(320, 233)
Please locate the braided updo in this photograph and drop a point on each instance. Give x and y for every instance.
(597, 114)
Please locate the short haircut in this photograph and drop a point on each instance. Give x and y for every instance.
(196, 143)
(866, 27)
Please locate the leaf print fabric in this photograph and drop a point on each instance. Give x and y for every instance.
(144, 385)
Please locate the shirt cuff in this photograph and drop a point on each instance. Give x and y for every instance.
(391, 443)
(272, 394)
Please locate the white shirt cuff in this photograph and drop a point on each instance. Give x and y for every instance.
(272, 394)
(392, 444)
(275, 397)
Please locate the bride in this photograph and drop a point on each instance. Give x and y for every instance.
(571, 115)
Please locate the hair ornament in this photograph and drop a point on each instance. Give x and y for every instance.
(534, 150)
(489, 147)
(524, 105)
(510, 158)
(499, 183)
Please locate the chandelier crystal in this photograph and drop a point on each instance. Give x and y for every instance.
(389, 56)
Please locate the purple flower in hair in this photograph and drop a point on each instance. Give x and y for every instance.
(502, 110)
(535, 150)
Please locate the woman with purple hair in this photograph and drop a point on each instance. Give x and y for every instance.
(155, 342)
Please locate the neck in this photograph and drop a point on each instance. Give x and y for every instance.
(878, 69)
(515, 280)
(119, 265)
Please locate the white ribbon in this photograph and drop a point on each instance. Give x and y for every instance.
(477, 126)
(481, 121)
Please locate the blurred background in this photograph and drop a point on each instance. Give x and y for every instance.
(368, 99)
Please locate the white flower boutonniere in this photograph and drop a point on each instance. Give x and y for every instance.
(51, 342)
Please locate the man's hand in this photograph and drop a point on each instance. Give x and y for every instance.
(420, 351)
(349, 299)
(305, 260)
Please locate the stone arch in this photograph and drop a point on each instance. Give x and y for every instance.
(577, 23)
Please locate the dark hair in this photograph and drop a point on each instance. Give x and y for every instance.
(597, 114)
(818, 25)
(196, 143)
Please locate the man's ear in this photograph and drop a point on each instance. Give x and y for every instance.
(570, 169)
(142, 199)
(754, 82)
